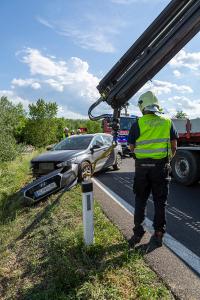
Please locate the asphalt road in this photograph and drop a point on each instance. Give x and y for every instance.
(183, 209)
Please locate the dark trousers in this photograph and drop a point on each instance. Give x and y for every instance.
(151, 177)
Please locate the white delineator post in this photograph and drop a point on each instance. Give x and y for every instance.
(88, 212)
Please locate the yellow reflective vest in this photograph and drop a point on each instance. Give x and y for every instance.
(154, 139)
(64, 136)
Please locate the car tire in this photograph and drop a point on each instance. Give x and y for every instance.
(84, 167)
(118, 161)
(185, 167)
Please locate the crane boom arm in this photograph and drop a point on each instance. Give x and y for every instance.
(176, 25)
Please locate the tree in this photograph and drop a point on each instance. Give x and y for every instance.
(93, 126)
(10, 114)
(11, 124)
(21, 123)
(43, 110)
(181, 115)
(41, 127)
(60, 124)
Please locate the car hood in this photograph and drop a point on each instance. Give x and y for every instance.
(61, 155)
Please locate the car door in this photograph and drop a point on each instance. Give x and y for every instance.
(110, 152)
(97, 153)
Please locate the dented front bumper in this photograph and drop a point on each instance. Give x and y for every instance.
(51, 183)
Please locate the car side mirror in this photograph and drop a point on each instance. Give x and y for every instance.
(94, 147)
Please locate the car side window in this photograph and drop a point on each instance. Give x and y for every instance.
(107, 140)
(98, 142)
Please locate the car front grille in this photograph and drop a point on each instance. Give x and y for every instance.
(43, 168)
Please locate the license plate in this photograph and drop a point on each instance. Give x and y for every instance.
(45, 189)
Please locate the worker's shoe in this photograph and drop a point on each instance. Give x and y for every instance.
(157, 238)
(135, 239)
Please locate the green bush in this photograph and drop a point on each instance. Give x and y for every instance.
(41, 128)
(40, 133)
(12, 118)
(8, 147)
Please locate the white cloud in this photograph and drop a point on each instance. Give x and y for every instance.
(58, 86)
(63, 111)
(44, 22)
(190, 60)
(165, 87)
(90, 33)
(95, 40)
(14, 98)
(69, 83)
(42, 65)
(172, 104)
(171, 97)
(177, 73)
(26, 82)
(189, 106)
(72, 74)
(36, 85)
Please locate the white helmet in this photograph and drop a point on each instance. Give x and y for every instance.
(149, 102)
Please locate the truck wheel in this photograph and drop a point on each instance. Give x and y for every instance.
(185, 167)
(118, 161)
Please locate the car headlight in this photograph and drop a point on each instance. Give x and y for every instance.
(67, 163)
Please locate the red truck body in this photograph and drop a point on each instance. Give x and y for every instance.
(189, 131)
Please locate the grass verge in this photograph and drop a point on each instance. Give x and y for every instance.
(43, 255)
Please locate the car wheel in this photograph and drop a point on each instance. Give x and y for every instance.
(118, 161)
(85, 171)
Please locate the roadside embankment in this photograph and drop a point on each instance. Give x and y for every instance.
(43, 255)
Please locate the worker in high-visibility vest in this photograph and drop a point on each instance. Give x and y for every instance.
(153, 141)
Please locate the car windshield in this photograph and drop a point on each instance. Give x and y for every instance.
(74, 143)
(126, 123)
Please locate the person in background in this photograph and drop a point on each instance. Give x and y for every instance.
(66, 133)
(78, 131)
(72, 132)
(153, 142)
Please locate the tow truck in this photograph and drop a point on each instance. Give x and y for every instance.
(175, 26)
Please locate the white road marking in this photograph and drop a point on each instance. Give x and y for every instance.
(193, 226)
(176, 213)
(181, 213)
(184, 253)
(175, 216)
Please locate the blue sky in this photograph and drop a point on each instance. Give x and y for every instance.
(59, 50)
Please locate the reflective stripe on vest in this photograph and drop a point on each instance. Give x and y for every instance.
(154, 139)
(151, 141)
(164, 150)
